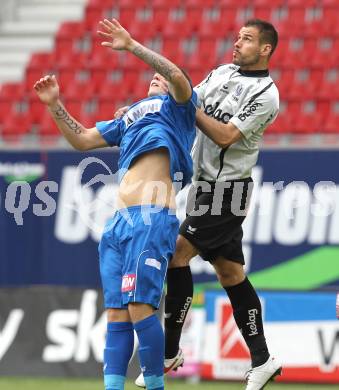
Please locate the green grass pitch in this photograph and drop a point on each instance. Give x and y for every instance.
(97, 384)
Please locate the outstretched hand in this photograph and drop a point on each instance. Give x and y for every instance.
(47, 88)
(117, 38)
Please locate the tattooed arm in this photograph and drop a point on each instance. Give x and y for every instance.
(76, 134)
(119, 39)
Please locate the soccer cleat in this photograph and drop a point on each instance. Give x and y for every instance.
(169, 365)
(258, 377)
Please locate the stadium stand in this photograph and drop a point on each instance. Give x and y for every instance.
(197, 34)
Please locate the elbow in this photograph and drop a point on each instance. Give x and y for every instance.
(223, 144)
(81, 147)
(177, 77)
(229, 138)
(226, 141)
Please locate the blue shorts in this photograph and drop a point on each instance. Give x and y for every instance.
(134, 252)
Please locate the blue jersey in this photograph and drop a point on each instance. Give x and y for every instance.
(151, 123)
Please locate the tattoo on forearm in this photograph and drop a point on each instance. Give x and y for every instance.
(61, 114)
(158, 62)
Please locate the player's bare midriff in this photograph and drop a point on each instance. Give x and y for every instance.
(148, 181)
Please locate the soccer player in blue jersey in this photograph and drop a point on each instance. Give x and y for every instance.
(155, 137)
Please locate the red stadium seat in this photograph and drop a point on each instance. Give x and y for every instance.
(79, 91)
(207, 46)
(199, 3)
(329, 87)
(160, 17)
(133, 3)
(271, 3)
(156, 4)
(301, 3)
(41, 61)
(67, 37)
(47, 126)
(263, 12)
(100, 3)
(198, 75)
(234, 3)
(329, 25)
(141, 30)
(280, 126)
(16, 125)
(177, 29)
(70, 30)
(127, 16)
(5, 107)
(95, 13)
(317, 50)
(170, 45)
(201, 61)
(89, 120)
(308, 123)
(194, 16)
(213, 29)
(112, 91)
(304, 85)
(36, 108)
(106, 110)
(73, 60)
(72, 66)
(331, 123)
(12, 91)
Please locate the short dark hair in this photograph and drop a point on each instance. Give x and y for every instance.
(268, 34)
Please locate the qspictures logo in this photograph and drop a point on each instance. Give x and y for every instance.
(21, 171)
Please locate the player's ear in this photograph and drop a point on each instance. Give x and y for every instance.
(266, 49)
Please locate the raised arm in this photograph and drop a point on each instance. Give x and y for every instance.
(117, 38)
(77, 135)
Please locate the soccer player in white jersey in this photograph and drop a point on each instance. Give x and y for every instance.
(239, 101)
(155, 137)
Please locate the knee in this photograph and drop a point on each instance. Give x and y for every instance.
(117, 315)
(230, 276)
(184, 251)
(139, 311)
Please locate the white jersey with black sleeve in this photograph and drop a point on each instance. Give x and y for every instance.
(248, 99)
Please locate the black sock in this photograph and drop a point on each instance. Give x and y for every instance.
(177, 302)
(248, 317)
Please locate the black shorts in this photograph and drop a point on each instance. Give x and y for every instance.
(215, 213)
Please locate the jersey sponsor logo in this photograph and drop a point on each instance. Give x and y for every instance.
(191, 230)
(153, 263)
(128, 282)
(217, 113)
(232, 344)
(141, 109)
(249, 111)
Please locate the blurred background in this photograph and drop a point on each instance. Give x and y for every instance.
(51, 316)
